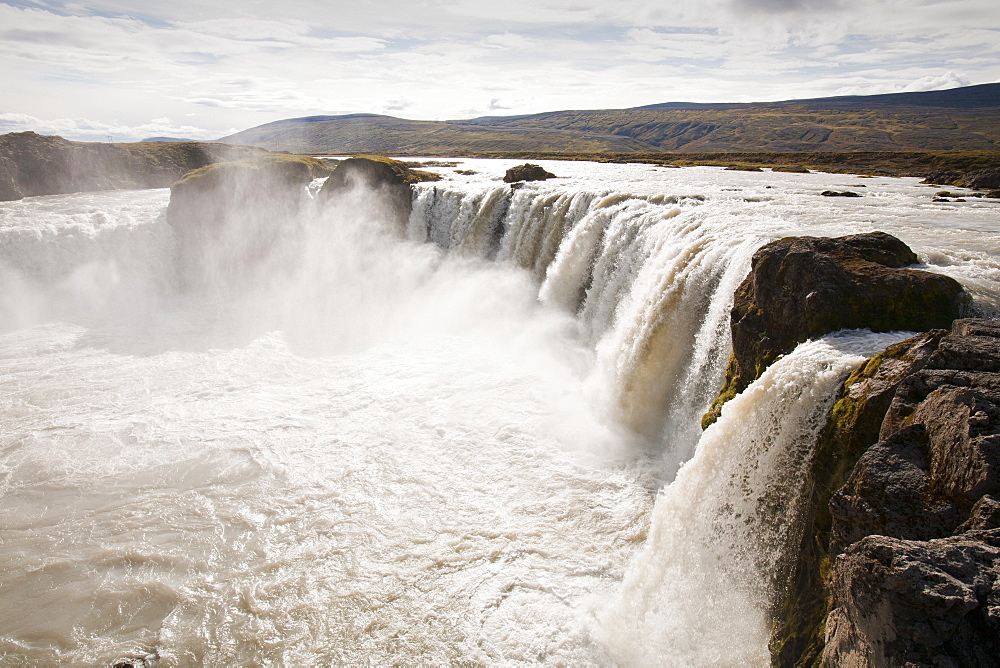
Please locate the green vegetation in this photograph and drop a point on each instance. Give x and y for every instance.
(959, 119)
(853, 425)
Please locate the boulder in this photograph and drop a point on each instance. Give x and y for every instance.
(839, 193)
(33, 164)
(390, 179)
(916, 603)
(527, 172)
(804, 287)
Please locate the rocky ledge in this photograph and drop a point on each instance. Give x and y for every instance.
(804, 287)
(898, 560)
(232, 218)
(33, 164)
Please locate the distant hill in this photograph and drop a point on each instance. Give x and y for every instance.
(166, 139)
(966, 118)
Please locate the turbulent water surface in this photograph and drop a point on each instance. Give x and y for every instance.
(477, 444)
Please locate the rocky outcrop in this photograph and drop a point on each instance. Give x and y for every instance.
(986, 179)
(804, 287)
(230, 216)
(527, 172)
(917, 603)
(355, 178)
(33, 164)
(900, 566)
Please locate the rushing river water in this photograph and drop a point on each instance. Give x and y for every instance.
(477, 445)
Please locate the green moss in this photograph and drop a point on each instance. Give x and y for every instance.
(269, 161)
(408, 174)
(730, 389)
(853, 425)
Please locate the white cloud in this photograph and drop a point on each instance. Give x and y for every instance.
(223, 64)
(86, 129)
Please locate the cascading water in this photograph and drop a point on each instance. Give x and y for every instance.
(377, 450)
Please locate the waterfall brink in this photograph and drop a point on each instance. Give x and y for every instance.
(701, 589)
(650, 279)
(437, 444)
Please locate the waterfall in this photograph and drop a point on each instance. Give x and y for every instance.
(475, 442)
(650, 279)
(701, 588)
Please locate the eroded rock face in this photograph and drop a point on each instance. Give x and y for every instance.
(527, 172)
(921, 422)
(923, 603)
(916, 524)
(803, 287)
(33, 164)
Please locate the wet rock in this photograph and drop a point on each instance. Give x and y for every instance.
(839, 193)
(889, 493)
(803, 287)
(527, 172)
(916, 603)
(930, 483)
(853, 426)
(33, 164)
(389, 180)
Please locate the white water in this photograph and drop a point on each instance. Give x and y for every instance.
(388, 452)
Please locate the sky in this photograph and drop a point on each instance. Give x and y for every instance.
(203, 69)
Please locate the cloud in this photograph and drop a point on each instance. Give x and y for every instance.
(221, 64)
(91, 130)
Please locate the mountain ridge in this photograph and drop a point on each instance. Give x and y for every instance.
(965, 118)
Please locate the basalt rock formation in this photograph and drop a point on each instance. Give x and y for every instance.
(33, 164)
(359, 176)
(804, 287)
(900, 557)
(229, 216)
(986, 179)
(527, 172)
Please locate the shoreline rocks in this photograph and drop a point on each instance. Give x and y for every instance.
(899, 561)
(33, 164)
(804, 287)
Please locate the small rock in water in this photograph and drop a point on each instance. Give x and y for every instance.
(527, 172)
(839, 193)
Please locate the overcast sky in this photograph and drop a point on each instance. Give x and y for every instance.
(203, 68)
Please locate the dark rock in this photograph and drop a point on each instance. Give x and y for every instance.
(934, 476)
(986, 179)
(744, 168)
(916, 603)
(804, 287)
(527, 172)
(889, 493)
(985, 515)
(982, 178)
(230, 216)
(33, 164)
(852, 427)
(389, 179)
(839, 193)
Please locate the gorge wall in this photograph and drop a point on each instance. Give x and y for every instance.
(33, 164)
